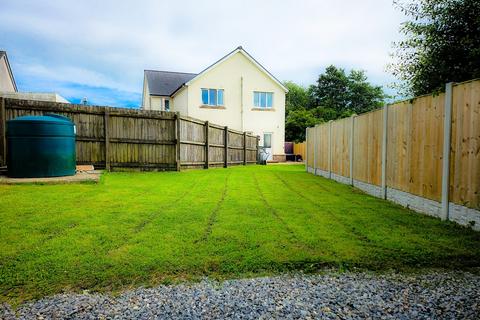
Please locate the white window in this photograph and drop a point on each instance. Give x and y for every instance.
(262, 99)
(267, 140)
(212, 97)
(167, 105)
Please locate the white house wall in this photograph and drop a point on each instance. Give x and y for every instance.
(228, 76)
(146, 95)
(6, 83)
(180, 102)
(156, 103)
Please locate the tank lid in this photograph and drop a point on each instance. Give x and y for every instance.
(38, 126)
(47, 118)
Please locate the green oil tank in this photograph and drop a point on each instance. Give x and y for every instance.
(40, 146)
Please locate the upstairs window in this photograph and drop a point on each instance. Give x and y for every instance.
(167, 105)
(212, 97)
(262, 99)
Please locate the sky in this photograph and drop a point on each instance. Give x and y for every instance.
(99, 49)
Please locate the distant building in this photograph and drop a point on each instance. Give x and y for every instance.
(38, 96)
(7, 81)
(8, 87)
(236, 91)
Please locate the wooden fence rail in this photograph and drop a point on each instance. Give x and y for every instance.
(423, 153)
(128, 138)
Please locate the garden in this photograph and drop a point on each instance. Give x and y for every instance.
(147, 228)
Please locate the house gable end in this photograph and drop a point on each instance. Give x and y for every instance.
(4, 58)
(232, 54)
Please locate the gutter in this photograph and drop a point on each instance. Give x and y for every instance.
(241, 103)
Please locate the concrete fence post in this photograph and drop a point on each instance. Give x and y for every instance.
(330, 149)
(352, 135)
(447, 135)
(384, 151)
(315, 150)
(306, 149)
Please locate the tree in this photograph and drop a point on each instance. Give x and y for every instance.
(442, 44)
(297, 114)
(296, 122)
(335, 95)
(346, 94)
(362, 96)
(297, 97)
(331, 90)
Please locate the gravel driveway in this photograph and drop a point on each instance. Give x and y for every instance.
(441, 295)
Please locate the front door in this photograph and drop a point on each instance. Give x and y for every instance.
(267, 144)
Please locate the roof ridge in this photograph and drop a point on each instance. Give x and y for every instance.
(249, 56)
(169, 71)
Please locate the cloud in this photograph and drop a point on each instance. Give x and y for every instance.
(107, 44)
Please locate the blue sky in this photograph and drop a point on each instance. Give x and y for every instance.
(99, 49)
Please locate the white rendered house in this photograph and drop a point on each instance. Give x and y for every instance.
(236, 91)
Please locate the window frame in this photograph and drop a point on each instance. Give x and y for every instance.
(211, 92)
(270, 142)
(262, 96)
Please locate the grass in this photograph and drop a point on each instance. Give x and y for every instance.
(147, 228)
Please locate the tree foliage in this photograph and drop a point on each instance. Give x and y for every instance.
(442, 44)
(335, 95)
(346, 94)
(297, 97)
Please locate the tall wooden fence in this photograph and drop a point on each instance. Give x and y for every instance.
(299, 149)
(127, 138)
(423, 153)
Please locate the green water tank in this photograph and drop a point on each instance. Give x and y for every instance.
(40, 146)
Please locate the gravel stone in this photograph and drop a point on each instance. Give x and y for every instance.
(431, 295)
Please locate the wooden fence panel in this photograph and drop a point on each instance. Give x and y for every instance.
(415, 146)
(465, 145)
(192, 142)
(192, 131)
(235, 139)
(235, 145)
(399, 145)
(310, 146)
(322, 135)
(299, 149)
(341, 147)
(217, 147)
(367, 147)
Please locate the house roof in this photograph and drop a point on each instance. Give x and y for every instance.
(165, 83)
(249, 57)
(4, 54)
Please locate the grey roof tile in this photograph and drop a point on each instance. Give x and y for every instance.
(165, 83)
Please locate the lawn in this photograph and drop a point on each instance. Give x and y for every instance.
(148, 228)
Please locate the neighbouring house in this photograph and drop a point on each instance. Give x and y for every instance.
(236, 91)
(7, 81)
(8, 87)
(38, 96)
